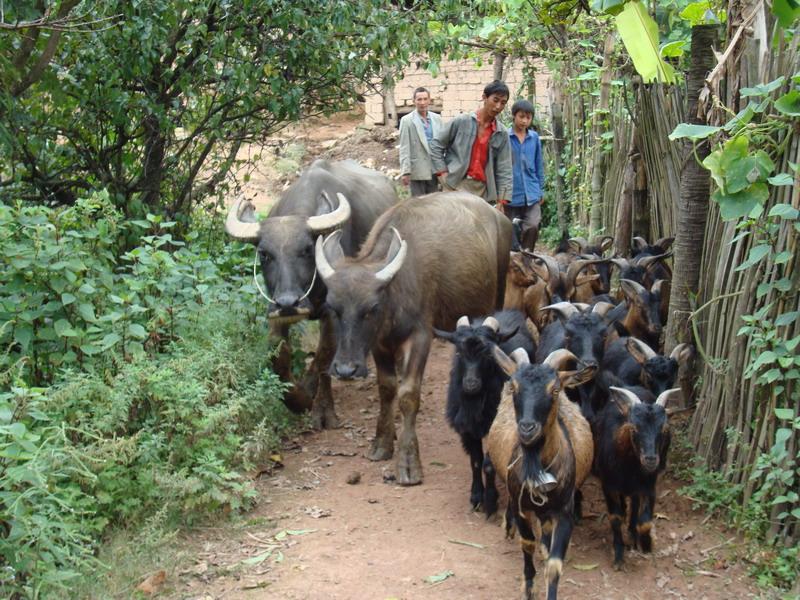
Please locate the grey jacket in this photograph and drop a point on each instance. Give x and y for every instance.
(452, 148)
(415, 155)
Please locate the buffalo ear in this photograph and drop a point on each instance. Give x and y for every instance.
(447, 336)
(324, 204)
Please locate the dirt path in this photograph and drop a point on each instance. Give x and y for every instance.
(315, 536)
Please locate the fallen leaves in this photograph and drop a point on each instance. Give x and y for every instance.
(439, 577)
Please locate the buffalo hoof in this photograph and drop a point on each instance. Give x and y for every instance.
(380, 451)
(409, 469)
(297, 401)
(324, 419)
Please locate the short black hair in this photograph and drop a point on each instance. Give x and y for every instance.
(522, 106)
(496, 87)
(418, 90)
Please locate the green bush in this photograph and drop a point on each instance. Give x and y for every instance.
(131, 384)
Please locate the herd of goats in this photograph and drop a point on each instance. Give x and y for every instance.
(558, 375)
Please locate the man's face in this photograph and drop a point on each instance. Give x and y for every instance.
(494, 104)
(522, 120)
(421, 101)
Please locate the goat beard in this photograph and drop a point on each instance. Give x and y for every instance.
(532, 469)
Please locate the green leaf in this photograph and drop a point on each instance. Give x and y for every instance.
(789, 104)
(109, 340)
(786, 12)
(787, 318)
(735, 206)
(64, 329)
(693, 132)
(23, 335)
(765, 358)
(673, 49)
(67, 298)
(608, 7)
(439, 577)
(762, 89)
(91, 349)
(781, 179)
(699, 13)
(785, 211)
(639, 33)
(137, 331)
(86, 311)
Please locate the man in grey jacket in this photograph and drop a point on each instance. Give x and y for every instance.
(472, 152)
(416, 131)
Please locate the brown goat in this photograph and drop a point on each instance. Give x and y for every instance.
(537, 425)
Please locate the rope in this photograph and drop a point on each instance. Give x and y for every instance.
(535, 496)
(264, 294)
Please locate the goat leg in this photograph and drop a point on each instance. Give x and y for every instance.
(616, 515)
(645, 526)
(528, 542)
(558, 551)
(490, 490)
(633, 521)
(473, 447)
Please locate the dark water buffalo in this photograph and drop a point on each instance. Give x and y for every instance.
(328, 196)
(426, 262)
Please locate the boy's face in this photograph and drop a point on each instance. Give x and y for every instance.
(522, 120)
(494, 104)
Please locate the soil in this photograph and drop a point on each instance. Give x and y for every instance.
(331, 524)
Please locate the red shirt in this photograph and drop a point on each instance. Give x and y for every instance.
(480, 153)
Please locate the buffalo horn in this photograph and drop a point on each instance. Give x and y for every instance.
(557, 359)
(491, 323)
(238, 229)
(565, 309)
(666, 396)
(462, 322)
(324, 268)
(331, 220)
(390, 270)
(626, 396)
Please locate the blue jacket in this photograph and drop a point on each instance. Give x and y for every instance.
(528, 167)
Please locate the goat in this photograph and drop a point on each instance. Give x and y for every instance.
(632, 438)
(628, 361)
(595, 250)
(536, 422)
(476, 380)
(640, 315)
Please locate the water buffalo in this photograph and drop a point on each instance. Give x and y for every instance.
(426, 262)
(328, 196)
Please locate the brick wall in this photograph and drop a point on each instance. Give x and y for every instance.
(457, 89)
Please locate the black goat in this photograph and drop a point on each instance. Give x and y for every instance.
(628, 361)
(632, 438)
(476, 381)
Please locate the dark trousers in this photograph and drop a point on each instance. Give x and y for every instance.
(530, 217)
(420, 187)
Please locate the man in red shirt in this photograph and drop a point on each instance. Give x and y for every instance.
(473, 153)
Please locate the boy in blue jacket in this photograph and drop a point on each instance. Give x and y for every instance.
(528, 170)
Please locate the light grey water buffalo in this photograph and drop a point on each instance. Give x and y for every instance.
(426, 262)
(328, 196)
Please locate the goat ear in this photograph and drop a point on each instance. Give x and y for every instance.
(632, 290)
(504, 361)
(505, 336)
(624, 399)
(664, 243)
(584, 279)
(447, 336)
(570, 379)
(606, 242)
(640, 351)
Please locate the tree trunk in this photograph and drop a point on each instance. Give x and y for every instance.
(389, 104)
(558, 152)
(499, 63)
(693, 201)
(624, 224)
(599, 127)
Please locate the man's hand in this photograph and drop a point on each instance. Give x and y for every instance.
(442, 177)
(405, 180)
(541, 200)
(501, 206)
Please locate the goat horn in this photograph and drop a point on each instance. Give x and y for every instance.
(503, 361)
(666, 396)
(640, 242)
(581, 242)
(622, 263)
(520, 356)
(491, 323)
(632, 287)
(664, 243)
(565, 309)
(626, 395)
(575, 267)
(324, 267)
(550, 263)
(602, 308)
(604, 242)
(650, 260)
(238, 229)
(462, 322)
(390, 270)
(680, 349)
(331, 220)
(557, 358)
(646, 350)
